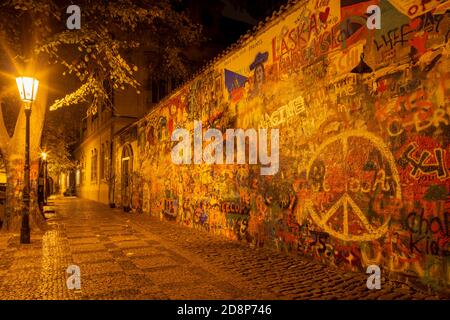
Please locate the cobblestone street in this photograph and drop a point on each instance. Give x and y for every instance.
(133, 256)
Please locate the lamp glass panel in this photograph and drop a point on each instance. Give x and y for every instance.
(27, 88)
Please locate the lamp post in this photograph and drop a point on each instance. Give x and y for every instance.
(44, 158)
(27, 89)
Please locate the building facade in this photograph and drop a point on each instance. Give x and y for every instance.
(364, 133)
(94, 177)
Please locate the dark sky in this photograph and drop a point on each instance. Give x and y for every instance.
(224, 21)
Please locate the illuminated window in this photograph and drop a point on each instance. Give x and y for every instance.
(104, 160)
(83, 170)
(94, 157)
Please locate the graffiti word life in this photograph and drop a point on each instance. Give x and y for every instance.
(213, 152)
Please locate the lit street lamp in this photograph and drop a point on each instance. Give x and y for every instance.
(27, 89)
(44, 158)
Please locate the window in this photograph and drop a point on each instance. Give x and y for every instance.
(83, 127)
(155, 97)
(156, 88)
(159, 90)
(162, 89)
(174, 83)
(94, 157)
(106, 167)
(206, 19)
(82, 169)
(94, 121)
(104, 160)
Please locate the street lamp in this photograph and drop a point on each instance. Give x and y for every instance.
(44, 158)
(27, 89)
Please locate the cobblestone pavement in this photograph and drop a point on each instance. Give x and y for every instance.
(134, 256)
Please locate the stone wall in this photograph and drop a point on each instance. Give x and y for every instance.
(363, 117)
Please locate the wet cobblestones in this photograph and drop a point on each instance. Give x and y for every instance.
(134, 256)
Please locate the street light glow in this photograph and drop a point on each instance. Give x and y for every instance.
(44, 156)
(28, 87)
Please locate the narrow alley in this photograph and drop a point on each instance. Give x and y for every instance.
(134, 256)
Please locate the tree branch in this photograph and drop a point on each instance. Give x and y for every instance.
(4, 136)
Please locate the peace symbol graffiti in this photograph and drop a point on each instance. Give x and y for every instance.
(356, 171)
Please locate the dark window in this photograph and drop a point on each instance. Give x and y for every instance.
(83, 126)
(162, 89)
(102, 161)
(82, 169)
(207, 19)
(159, 90)
(94, 159)
(155, 92)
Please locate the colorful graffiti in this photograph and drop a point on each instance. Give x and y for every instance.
(364, 120)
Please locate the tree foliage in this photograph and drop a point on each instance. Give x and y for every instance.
(60, 134)
(98, 51)
(35, 32)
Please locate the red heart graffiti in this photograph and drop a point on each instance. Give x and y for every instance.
(323, 16)
(420, 43)
(414, 24)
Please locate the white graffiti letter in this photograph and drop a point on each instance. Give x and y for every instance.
(74, 280)
(374, 280)
(374, 20)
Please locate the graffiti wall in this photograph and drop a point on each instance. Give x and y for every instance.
(364, 122)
